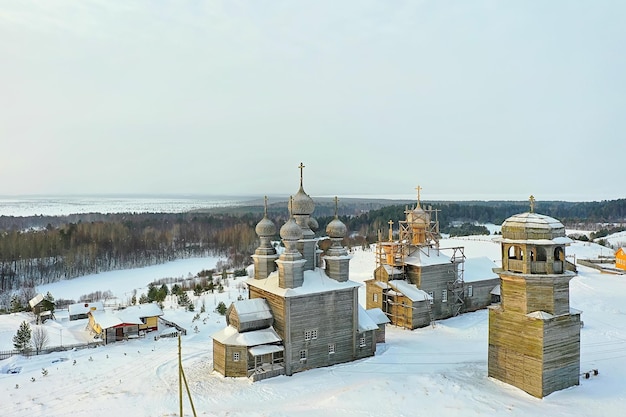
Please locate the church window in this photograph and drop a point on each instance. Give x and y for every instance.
(303, 355)
(314, 334)
(444, 296)
(432, 296)
(331, 348)
(362, 342)
(375, 297)
(307, 335)
(235, 356)
(470, 291)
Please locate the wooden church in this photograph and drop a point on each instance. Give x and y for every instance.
(416, 282)
(534, 335)
(303, 310)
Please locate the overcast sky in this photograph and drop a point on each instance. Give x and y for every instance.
(482, 99)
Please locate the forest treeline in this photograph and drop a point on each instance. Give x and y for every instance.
(588, 214)
(32, 255)
(42, 249)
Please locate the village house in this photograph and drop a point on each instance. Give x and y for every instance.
(133, 321)
(79, 311)
(303, 310)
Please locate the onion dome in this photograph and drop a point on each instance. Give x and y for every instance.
(302, 203)
(418, 215)
(532, 226)
(313, 224)
(291, 230)
(265, 228)
(336, 229)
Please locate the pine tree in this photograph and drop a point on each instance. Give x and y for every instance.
(16, 304)
(21, 340)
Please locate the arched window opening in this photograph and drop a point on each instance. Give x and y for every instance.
(541, 254)
(559, 254)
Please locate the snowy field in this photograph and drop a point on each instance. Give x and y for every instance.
(439, 371)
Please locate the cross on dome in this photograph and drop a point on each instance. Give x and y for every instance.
(532, 203)
(418, 188)
(301, 166)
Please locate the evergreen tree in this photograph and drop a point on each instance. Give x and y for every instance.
(16, 304)
(221, 308)
(48, 303)
(21, 340)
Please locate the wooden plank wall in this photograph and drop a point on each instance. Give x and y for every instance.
(537, 356)
(333, 314)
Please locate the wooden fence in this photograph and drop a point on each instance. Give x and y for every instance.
(32, 352)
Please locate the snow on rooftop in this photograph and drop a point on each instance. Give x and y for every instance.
(144, 310)
(265, 349)
(315, 281)
(409, 290)
(84, 308)
(252, 310)
(230, 336)
(378, 316)
(479, 269)
(108, 319)
(365, 321)
(428, 257)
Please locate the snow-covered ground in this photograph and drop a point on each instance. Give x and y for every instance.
(432, 371)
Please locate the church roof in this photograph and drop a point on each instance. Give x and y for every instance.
(230, 336)
(428, 257)
(532, 226)
(409, 290)
(252, 310)
(366, 323)
(479, 269)
(315, 281)
(378, 316)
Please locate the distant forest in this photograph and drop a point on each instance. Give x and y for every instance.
(42, 249)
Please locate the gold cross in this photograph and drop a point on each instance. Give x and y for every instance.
(390, 230)
(418, 188)
(532, 203)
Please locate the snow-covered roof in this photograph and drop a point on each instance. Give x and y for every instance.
(540, 315)
(265, 349)
(315, 281)
(378, 316)
(409, 290)
(429, 257)
(252, 310)
(391, 270)
(496, 290)
(144, 310)
(35, 300)
(106, 319)
(230, 336)
(561, 240)
(381, 284)
(365, 321)
(479, 269)
(84, 308)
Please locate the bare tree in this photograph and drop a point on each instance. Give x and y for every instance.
(40, 338)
